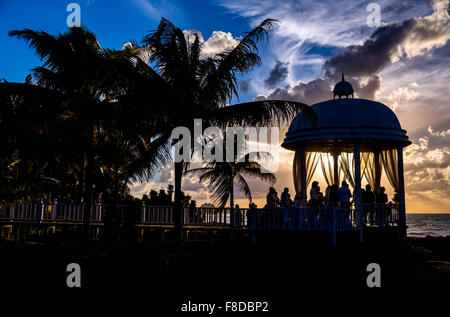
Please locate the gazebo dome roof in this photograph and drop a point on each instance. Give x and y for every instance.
(339, 123)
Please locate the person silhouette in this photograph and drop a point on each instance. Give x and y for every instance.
(344, 195)
(369, 195)
(314, 199)
(382, 198)
(270, 198)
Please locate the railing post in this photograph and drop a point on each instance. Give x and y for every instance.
(54, 209)
(182, 223)
(143, 212)
(333, 226)
(39, 216)
(12, 210)
(252, 223)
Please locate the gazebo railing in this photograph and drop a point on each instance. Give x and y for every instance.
(306, 218)
(265, 218)
(381, 214)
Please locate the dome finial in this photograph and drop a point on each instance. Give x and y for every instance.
(343, 88)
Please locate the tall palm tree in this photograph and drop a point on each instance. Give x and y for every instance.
(90, 83)
(221, 178)
(196, 86)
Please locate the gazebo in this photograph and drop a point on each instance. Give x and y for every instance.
(352, 138)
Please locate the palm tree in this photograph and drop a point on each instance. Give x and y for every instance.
(195, 86)
(221, 178)
(91, 85)
(28, 138)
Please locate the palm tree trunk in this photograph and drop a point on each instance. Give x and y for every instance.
(88, 182)
(178, 171)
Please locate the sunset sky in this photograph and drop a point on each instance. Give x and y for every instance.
(403, 63)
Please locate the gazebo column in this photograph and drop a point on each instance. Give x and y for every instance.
(377, 170)
(336, 168)
(401, 185)
(302, 159)
(357, 192)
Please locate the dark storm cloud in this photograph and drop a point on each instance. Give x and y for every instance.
(368, 91)
(308, 93)
(388, 43)
(277, 74)
(372, 56)
(360, 63)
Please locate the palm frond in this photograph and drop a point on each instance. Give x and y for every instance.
(157, 153)
(196, 172)
(221, 85)
(260, 113)
(241, 185)
(255, 171)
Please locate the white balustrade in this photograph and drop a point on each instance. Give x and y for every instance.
(325, 218)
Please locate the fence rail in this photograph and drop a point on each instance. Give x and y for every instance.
(325, 218)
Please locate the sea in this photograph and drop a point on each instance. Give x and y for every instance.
(422, 225)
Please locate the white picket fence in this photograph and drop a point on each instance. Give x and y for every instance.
(325, 218)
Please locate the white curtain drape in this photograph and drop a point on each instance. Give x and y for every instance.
(327, 164)
(312, 158)
(390, 165)
(368, 160)
(347, 161)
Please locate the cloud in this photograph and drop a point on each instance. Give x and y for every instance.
(190, 36)
(362, 63)
(389, 43)
(371, 56)
(166, 174)
(244, 85)
(140, 189)
(308, 93)
(367, 89)
(427, 172)
(438, 133)
(428, 32)
(219, 42)
(277, 74)
(403, 94)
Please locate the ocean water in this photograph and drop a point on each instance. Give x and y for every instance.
(422, 225)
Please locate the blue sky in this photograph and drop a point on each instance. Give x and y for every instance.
(404, 63)
(115, 22)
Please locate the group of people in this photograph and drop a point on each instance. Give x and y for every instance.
(334, 196)
(273, 201)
